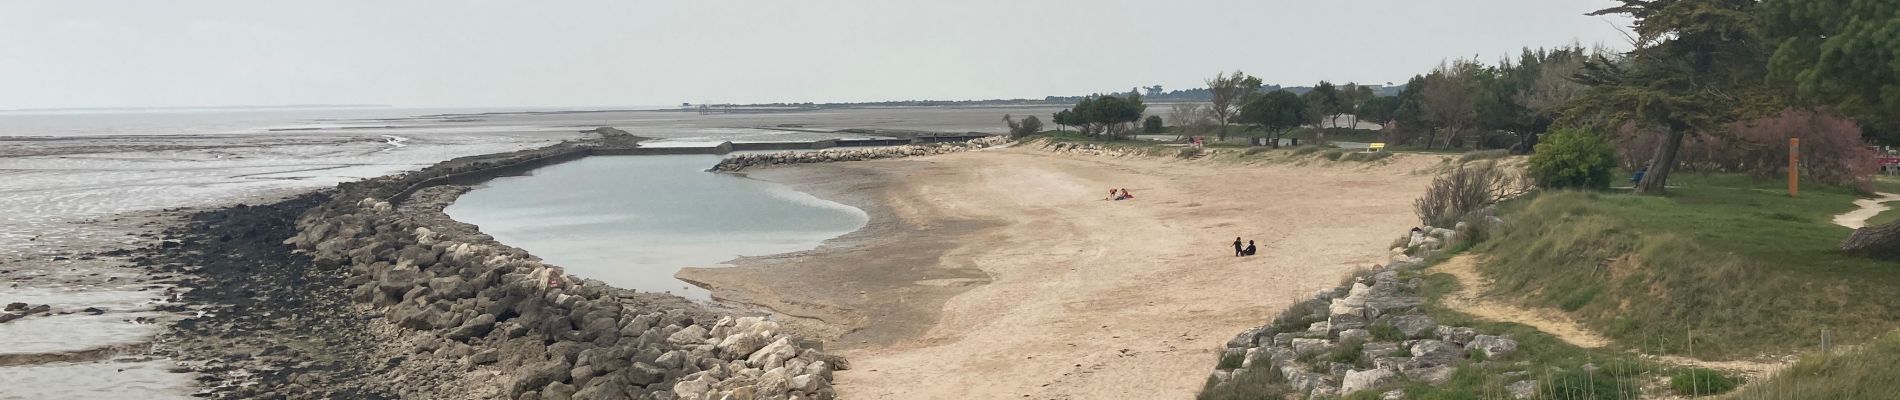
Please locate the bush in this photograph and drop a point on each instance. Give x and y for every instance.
(1257, 150)
(1250, 383)
(1018, 129)
(1231, 360)
(1306, 149)
(1701, 382)
(1189, 152)
(1466, 189)
(1152, 124)
(1483, 155)
(1581, 385)
(1334, 154)
(1573, 159)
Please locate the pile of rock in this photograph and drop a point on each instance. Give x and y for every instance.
(15, 311)
(1090, 149)
(1378, 314)
(743, 161)
(480, 305)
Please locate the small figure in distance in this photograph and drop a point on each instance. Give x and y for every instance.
(1239, 251)
(1250, 249)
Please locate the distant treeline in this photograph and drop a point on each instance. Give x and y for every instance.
(1153, 93)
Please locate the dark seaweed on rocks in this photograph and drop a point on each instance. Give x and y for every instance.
(275, 324)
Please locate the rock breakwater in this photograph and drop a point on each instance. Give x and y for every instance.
(1368, 334)
(393, 299)
(742, 162)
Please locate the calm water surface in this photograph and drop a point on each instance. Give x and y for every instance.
(633, 221)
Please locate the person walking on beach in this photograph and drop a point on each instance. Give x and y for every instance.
(1238, 251)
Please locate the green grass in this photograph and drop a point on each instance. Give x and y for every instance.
(1864, 373)
(1479, 155)
(1250, 384)
(1701, 382)
(1555, 363)
(1887, 183)
(1723, 267)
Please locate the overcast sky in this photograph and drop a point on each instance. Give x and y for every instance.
(629, 52)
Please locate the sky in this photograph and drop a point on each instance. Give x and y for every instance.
(134, 53)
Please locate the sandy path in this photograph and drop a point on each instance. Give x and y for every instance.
(1868, 209)
(1093, 299)
(1470, 299)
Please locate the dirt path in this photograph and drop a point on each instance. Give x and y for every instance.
(1075, 297)
(1868, 209)
(1470, 299)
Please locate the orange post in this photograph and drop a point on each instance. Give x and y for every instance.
(1794, 167)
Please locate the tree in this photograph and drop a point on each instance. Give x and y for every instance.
(1693, 61)
(1351, 98)
(1378, 109)
(1064, 118)
(1152, 124)
(1192, 118)
(1230, 92)
(1321, 103)
(1275, 113)
(1839, 53)
(1104, 114)
(1447, 100)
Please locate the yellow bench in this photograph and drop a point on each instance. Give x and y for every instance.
(1375, 147)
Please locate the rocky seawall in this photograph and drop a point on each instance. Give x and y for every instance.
(1374, 316)
(742, 162)
(384, 296)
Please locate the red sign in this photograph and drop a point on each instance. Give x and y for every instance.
(1890, 161)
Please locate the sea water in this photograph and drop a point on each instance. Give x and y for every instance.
(634, 221)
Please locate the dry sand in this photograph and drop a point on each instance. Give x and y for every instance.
(1003, 273)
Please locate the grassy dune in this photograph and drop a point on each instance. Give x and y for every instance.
(1725, 267)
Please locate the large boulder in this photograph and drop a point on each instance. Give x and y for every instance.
(534, 377)
(1362, 380)
(473, 327)
(1427, 353)
(1415, 326)
(1305, 346)
(1493, 346)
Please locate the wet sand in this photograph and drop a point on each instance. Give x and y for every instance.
(1003, 273)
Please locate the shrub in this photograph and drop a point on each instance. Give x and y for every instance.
(1465, 189)
(1483, 155)
(1257, 150)
(1581, 385)
(1018, 129)
(1334, 154)
(1189, 152)
(1250, 383)
(1573, 159)
(1231, 360)
(1701, 382)
(1306, 149)
(1386, 333)
(1152, 124)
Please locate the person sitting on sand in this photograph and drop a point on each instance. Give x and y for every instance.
(1250, 249)
(1239, 251)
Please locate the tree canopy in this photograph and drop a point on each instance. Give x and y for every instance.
(1275, 113)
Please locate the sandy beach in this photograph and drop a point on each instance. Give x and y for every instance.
(1004, 274)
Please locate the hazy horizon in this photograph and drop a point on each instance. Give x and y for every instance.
(198, 54)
